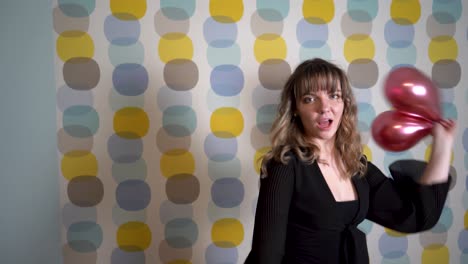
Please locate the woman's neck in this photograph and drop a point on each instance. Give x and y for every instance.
(326, 149)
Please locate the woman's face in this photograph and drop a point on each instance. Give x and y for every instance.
(321, 114)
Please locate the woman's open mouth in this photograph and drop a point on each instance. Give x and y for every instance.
(324, 123)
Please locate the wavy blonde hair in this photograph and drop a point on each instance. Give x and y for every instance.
(287, 132)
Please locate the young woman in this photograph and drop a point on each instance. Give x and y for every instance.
(317, 186)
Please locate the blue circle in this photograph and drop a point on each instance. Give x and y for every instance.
(465, 200)
(227, 80)
(215, 101)
(217, 56)
(366, 113)
(466, 182)
(266, 116)
(178, 10)
(169, 210)
(323, 52)
(121, 216)
(71, 212)
(362, 95)
(365, 226)
(129, 171)
(84, 236)
(311, 35)
(77, 8)
(463, 241)
(124, 150)
(397, 57)
(121, 32)
(393, 247)
(181, 233)
(167, 97)
(362, 11)
(130, 79)
(220, 149)
(120, 256)
(80, 121)
(68, 97)
(224, 169)
(445, 221)
(179, 120)
(218, 255)
(219, 35)
(273, 10)
(397, 35)
(447, 12)
(450, 111)
(133, 53)
(227, 192)
(133, 195)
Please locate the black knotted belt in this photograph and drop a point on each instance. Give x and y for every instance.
(354, 247)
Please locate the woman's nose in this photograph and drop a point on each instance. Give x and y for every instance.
(324, 105)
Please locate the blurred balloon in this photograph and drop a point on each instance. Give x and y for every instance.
(417, 106)
(398, 131)
(409, 90)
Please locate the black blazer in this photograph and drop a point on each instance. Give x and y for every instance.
(297, 219)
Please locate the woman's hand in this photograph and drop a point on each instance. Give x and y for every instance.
(438, 167)
(444, 132)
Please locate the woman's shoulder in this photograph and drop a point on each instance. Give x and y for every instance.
(286, 159)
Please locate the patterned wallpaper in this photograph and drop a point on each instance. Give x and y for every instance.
(165, 106)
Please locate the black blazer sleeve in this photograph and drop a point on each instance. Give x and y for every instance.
(401, 203)
(271, 216)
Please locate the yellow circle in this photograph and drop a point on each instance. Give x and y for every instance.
(227, 233)
(466, 220)
(258, 157)
(318, 12)
(227, 122)
(174, 46)
(405, 12)
(74, 44)
(177, 161)
(128, 10)
(180, 261)
(131, 122)
(394, 233)
(78, 163)
(133, 236)
(443, 48)
(226, 11)
(435, 254)
(359, 46)
(367, 151)
(270, 46)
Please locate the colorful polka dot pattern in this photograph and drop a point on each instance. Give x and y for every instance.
(129, 79)
(79, 124)
(226, 124)
(165, 108)
(446, 74)
(178, 123)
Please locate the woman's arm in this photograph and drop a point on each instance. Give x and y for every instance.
(414, 199)
(271, 217)
(402, 203)
(437, 169)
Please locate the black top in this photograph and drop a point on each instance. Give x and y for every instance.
(298, 220)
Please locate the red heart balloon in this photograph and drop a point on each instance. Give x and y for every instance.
(409, 90)
(398, 131)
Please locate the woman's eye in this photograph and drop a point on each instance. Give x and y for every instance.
(335, 96)
(308, 99)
